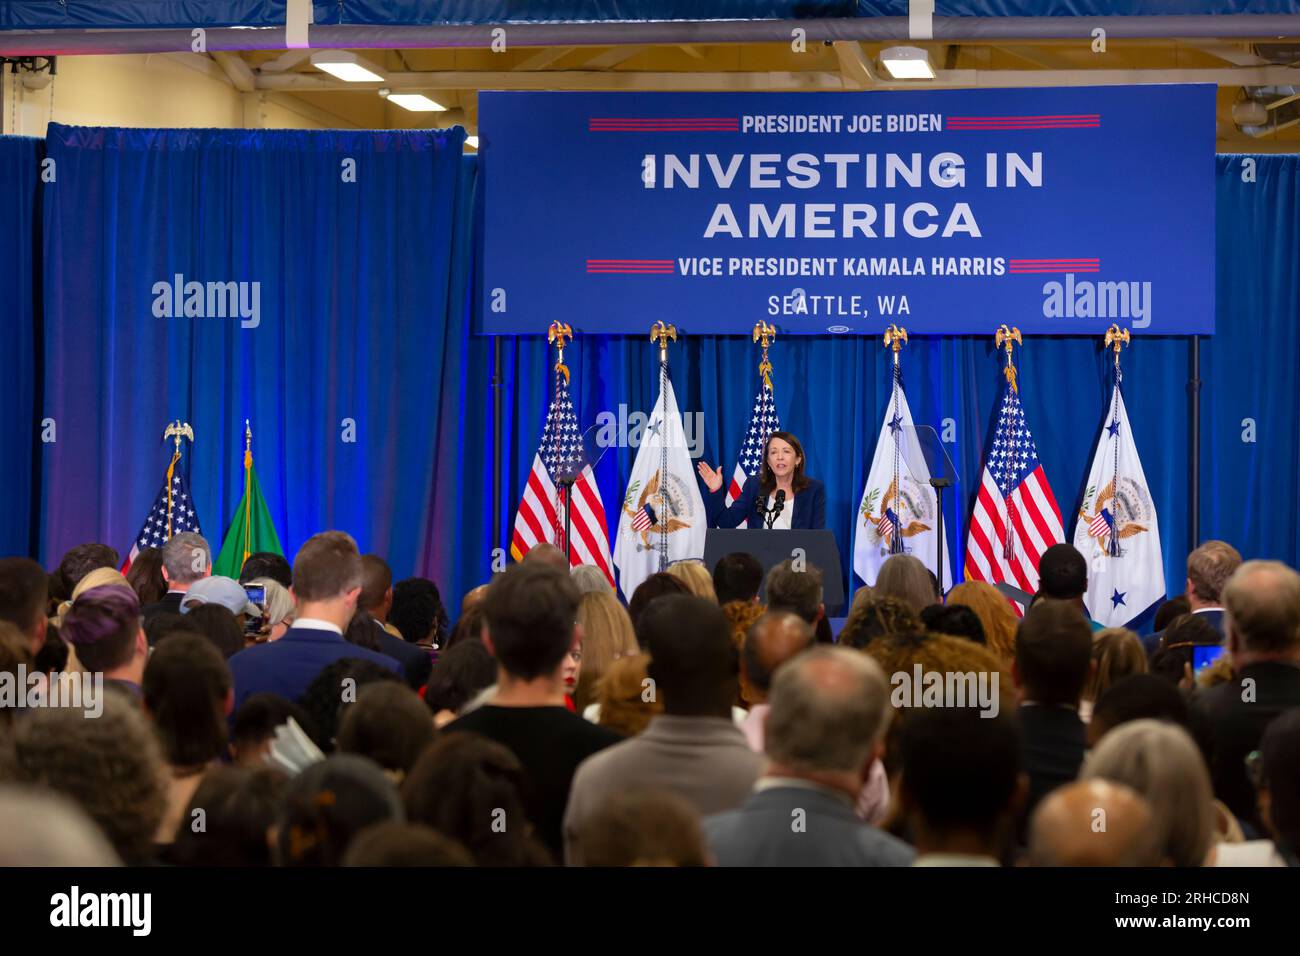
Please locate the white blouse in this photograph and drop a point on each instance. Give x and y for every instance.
(782, 522)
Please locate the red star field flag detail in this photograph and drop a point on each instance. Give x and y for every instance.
(156, 530)
(541, 509)
(763, 420)
(1016, 517)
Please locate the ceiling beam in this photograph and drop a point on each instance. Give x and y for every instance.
(774, 80)
(285, 61)
(854, 65)
(544, 58)
(612, 58)
(237, 71)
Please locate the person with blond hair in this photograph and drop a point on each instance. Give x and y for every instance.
(607, 635)
(1161, 762)
(696, 577)
(1116, 652)
(994, 612)
(904, 577)
(624, 701)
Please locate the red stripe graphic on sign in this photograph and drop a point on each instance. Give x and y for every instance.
(1028, 266)
(625, 124)
(1057, 121)
(631, 266)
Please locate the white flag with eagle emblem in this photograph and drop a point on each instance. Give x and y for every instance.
(1117, 530)
(898, 511)
(662, 519)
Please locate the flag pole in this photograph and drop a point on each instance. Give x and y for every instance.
(661, 333)
(248, 504)
(175, 430)
(556, 334)
(894, 339)
(1116, 339)
(1004, 338)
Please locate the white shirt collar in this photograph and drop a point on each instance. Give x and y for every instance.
(316, 624)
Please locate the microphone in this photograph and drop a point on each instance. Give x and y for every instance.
(777, 507)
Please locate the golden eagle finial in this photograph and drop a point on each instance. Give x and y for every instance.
(1004, 337)
(556, 335)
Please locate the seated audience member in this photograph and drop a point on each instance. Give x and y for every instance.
(656, 585)
(694, 748)
(109, 764)
(267, 564)
(16, 662)
(588, 579)
(830, 710)
(955, 620)
(53, 656)
(903, 576)
(278, 613)
(1174, 607)
(741, 616)
(1064, 830)
(1208, 570)
(643, 828)
(219, 627)
(254, 728)
(240, 806)
(40, 828)
(461, 673)
(877, 617)
(623, 702)
(737, 576)
(1063, 576)
(186, 560)
(326, 582)
(83, 559)
(389, 724)
(531, 629)
(1052, 665)
(1161, 762)
(223, 591)
(473, 598)
(1262, 603)
(187, 696)
(607, 635)
(997, 619)
(322, 701)
(774, 638)
(405, 845)
(1116, 653)
(23, 590)
(546, 553)
(962, 786)
(1137, 697)
(695, 576)
(471, 790)
(1175, 658)
(159, 626)
(103, 627)
(799, 592)
(146, 577)
(468, 626)
(329, 803)
(375, 602)
(1276, 771)
(418, 612)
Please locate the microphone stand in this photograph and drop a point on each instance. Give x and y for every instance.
(567, 485)
(939, 484)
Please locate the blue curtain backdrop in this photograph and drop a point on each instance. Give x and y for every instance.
(365, 315)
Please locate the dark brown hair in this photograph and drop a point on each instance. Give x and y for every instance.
(766, 478)
(326, 566)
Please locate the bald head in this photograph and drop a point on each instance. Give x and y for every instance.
(473, 598)
(1262, 600)
(1093, 823)
(772, 640)
(547, 553)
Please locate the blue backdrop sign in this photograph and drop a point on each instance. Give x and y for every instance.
(1055, 210)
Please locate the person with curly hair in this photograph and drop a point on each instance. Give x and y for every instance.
(878, 617)
(111, 766)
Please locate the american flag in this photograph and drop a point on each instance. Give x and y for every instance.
(541, 509)
(155, 532)
(763, 420)
(1014, 495)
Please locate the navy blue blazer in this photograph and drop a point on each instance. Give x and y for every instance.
(287, 666)
(1151, 642)
(809, 506)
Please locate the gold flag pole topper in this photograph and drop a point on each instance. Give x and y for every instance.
(176, 431)
(661, 333)
(1116, 339)
(765, 334)
(1005, 336)
(557, 335)
(895, 337)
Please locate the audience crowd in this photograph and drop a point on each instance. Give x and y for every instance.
(322, 714)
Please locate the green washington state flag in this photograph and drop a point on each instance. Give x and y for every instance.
(251, 529)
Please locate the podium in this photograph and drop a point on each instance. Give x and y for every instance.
(773, 547)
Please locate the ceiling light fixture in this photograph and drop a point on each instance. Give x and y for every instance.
(346, 65)
(415, 102)
(907, 63)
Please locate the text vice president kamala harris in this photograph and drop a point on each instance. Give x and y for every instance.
(779, 496)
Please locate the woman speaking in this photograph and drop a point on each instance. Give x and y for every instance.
(779, 496)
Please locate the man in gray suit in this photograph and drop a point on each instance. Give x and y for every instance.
(830, 710)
